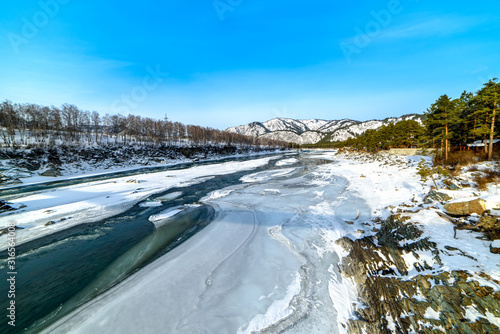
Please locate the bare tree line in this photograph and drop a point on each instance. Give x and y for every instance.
(36, 125)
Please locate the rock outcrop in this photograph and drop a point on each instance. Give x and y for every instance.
(52, 171)
(425, 303)
(465, 208)
(436, 196)
(4, 206)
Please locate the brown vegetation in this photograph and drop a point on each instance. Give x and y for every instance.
(484, 177)
(460, 158)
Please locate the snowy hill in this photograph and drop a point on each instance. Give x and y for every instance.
(314, 130)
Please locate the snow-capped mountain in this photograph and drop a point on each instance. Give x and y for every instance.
(314, 130)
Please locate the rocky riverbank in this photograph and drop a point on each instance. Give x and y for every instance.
(420, 270)
(434, 301)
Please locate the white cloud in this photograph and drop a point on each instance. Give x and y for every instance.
(438, 26)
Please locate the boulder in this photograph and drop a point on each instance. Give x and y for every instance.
(31, 166)
(465, 208)
(4, 206)
(495, 247)
(51, 172)
(436, 196)
(5, 180)
(451, 185)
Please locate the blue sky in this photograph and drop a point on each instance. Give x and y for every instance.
(230, 62)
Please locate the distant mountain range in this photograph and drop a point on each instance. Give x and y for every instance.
(314, 130)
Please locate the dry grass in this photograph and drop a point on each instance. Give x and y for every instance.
(474, 168)
(457, 160)
(456, 171)
(487, 176)
(460, 158)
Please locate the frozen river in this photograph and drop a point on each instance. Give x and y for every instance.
(249, 250)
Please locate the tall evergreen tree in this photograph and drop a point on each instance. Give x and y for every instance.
(488, 99)
(463, 130)
(442, 116)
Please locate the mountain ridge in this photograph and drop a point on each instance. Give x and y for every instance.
(311, 131)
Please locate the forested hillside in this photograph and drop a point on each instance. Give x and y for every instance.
(403, 134)
(447, 124)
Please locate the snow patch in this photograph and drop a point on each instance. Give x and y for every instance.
(342, 293)
(287, 162)
(431, 314)
(472, 313)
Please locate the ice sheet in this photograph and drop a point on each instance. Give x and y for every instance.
(267, 175)
(150, 204)
(163, 217)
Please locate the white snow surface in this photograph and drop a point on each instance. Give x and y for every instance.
(287, 162)
(308, 137)
(170, 196)
(472, 313)
(150, 204)
(218, 194)
(473, 254)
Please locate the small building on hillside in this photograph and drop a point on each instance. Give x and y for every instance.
(480, 144)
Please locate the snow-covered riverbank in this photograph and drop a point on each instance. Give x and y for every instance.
(348, 246)
(416, 268)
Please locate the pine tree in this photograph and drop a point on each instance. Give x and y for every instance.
(442, 116)
(488, 99)
(463, 130)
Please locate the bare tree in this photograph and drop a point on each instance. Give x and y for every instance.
(96, 120)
